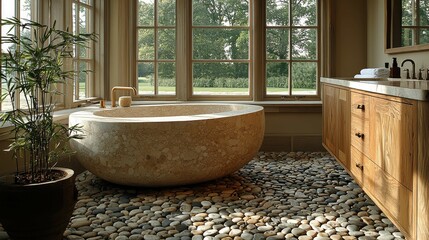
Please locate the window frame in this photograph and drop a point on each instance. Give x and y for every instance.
(242, 97)
(96, 89)
(156, 60)
(290, 60)
(90, 60)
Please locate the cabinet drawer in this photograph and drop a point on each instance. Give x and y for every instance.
(356, 165)
(393, 197)
(360, 105)
(360, 133)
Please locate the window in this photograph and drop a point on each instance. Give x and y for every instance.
(83, 57)
(212, 53)
(156, 47)
(291, 47)
(24, 10)
(220, 47)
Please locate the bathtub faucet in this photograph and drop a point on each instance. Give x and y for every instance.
(112, 94)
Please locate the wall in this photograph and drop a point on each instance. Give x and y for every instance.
(350, 34)
(293, 129)
(375, 38)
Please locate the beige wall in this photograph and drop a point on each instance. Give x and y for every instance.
(293, 131)
(349, 44)
(375, 39)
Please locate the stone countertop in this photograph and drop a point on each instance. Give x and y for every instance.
(405, 88)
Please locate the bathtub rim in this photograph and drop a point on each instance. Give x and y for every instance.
(89, 115)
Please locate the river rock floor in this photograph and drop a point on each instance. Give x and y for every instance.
(276, 196)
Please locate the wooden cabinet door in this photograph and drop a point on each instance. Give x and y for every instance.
(393, 138)
(336, 122)
(330, 126)
(343, 121)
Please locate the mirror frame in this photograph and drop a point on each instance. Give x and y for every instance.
(389, 37)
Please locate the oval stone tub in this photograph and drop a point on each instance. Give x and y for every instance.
(167, 145)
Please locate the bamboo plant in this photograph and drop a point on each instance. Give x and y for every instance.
(33, 70)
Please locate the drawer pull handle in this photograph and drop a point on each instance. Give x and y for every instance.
(362, 107)
(359, 135)
(360, 166)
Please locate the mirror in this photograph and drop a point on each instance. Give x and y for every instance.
(407, 25)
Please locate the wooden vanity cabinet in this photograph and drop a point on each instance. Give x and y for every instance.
(381, 153)
(336, 119)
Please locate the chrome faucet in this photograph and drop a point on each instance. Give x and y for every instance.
(112, 93)
(414, 67)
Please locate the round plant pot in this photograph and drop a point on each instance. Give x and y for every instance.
(37, 211)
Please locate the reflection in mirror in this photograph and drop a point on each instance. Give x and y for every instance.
(407, 25)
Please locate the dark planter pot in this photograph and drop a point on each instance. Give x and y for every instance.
(37, 211)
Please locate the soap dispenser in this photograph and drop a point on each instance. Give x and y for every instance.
(395, 71)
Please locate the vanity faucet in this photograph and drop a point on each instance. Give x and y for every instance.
(112, 93)
(414, 67)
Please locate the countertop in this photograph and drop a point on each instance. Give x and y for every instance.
(405, 88)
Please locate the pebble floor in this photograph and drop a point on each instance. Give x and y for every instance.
(276, 196)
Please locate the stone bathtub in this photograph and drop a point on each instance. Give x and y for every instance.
(167, 145)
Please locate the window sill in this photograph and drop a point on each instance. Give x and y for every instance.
(269, 106)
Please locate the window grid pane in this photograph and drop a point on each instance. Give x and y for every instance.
(220, 13)
(146, 78)
(304, 78)
(277, 78)
(220, 78)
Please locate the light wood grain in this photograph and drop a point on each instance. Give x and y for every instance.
(393, 138)
(360, 122)
(422, 172)
(356, 165)
(393, 198)
(336, 116)
(343, 122)
(384, 161)
(330, 133)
